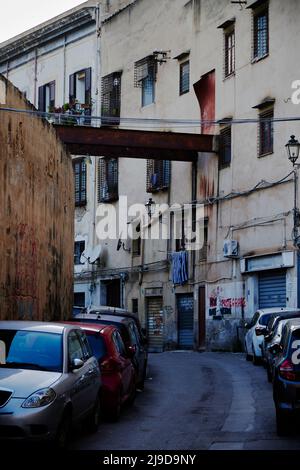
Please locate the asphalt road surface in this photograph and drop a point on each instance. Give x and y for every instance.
(196, 401)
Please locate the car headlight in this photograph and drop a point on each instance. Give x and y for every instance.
(42, 397)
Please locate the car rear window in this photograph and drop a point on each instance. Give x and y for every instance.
(264, 319)
(34, 350)
(97, 344)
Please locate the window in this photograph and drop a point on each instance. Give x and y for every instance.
(145, 72)
(80, 84)
(47, 97)
(260, 33)
(136, 241)
(111, 99)
(178, 229)
(80, 182)
(225, 147)
(108, 180)
(184, 85)
(79, 299)
(158, 175)
(135, 305)
(79, 248)
(266, 132)
(229, 38)
(75, 348)
(119, 344)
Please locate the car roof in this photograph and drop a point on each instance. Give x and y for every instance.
(98, 317)
(45, 327)
(286, 315)
(277, 310)
(293, 324)
(96, 327)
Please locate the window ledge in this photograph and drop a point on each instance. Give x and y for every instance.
(230, 75)
(224, 166)
(258, 59)
(265, 154)
(184, 93)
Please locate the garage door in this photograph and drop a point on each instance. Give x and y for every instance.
(155, 324)
(272, 289)
(185, 309)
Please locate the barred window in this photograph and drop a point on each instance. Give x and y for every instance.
(79, 248)
(158, 175)
(225, 147)
(47, 97)
(266, 132)
(111, 99)
(108, 180)
(229, 38)
(145, 72)
(184, 77)
(80, 182)
(260, 33)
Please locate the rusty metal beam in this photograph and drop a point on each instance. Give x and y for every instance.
(111, 142)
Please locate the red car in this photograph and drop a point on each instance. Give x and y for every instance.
(118, 373)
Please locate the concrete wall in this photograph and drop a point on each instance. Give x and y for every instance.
(37, 215)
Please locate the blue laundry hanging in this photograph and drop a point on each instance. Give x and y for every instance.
(180, 267)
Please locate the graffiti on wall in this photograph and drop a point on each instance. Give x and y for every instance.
(220, 304)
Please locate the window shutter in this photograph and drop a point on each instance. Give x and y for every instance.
(149, 173)
(72, 87)
(42, 98)
(225, 146)
(145, 68)
(52, 94)
(88, 86)
(166, 174)
(111, 99)
(108, 180)
(158, 175)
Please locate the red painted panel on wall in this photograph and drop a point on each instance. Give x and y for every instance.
(205, 92)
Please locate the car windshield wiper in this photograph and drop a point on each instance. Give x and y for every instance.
(20, 365)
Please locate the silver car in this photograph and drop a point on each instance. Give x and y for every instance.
(49, 381)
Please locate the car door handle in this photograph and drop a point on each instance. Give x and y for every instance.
(91, 371)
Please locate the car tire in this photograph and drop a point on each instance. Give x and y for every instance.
(255, 359)
(248, 357)
(94, 418)
(63, 434)
(113, 414)
(269, 375)
(282, 423)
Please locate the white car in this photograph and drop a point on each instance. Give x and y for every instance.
(255, 334)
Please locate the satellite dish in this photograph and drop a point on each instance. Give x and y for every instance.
(85, 256)
(120, 244)
(95, 254)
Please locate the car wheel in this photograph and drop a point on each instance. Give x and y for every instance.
(94, 419)
(63, 434)
(248, 357)
(113, 413)
(282, 423)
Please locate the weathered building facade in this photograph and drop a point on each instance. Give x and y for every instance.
(199, 66)
(37, 207)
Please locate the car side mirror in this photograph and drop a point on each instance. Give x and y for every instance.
(131, 351)
(77, 364)
(267, 337)
(276, 348)
(259, 331)
(247, 325)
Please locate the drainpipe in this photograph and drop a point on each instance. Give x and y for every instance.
(35, 76)
(65, 70)
(98, 59)
(194, 198)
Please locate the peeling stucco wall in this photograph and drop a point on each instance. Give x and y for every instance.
(37, 216)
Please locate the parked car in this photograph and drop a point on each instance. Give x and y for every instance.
(272, 335)
(49, 381)
(118, 373)
(131, 333)
(286, 380)
(256, 329)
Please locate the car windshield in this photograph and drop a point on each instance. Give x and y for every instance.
(97, 344)
(34, 350)
(264, 319)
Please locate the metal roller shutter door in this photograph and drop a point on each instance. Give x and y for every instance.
(155, 324)
(272, 289)
(185, 307)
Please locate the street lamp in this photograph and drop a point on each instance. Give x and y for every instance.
(148, 206)
(293, 149)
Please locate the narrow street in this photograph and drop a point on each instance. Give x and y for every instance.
(215, 401)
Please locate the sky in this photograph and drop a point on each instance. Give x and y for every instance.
(19, 15)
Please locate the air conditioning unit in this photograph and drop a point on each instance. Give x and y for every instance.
(231, 249)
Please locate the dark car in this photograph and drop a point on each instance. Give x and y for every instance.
(117, 371)
(131, 332)
(286, 380)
